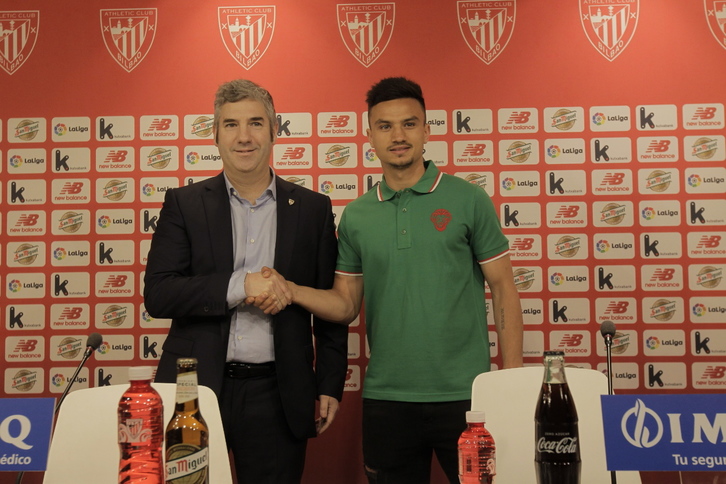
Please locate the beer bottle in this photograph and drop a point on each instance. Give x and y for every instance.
(187, 436)
(557, 442)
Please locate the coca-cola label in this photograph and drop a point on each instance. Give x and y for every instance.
(564, 445)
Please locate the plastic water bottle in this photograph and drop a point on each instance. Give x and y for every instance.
(477, 452)
(140, 430)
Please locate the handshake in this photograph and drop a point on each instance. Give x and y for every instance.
(268, 290)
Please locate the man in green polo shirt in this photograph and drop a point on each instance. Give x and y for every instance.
(420, 247)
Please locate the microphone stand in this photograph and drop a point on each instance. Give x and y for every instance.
(87, 354)
(609, 356)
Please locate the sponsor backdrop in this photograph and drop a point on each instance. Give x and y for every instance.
(597, 127)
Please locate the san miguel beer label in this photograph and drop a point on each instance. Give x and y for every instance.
(609, 25)
(18, 33)
(246, 32)
(716, 17)
(486, 26)
(366, 29)
(128, 34)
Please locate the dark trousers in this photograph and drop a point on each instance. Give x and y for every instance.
(399, 439)
(265, 451)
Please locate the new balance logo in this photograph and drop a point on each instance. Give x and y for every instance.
(72, 188)
(658, 146)
(613, 179)
(116, 281)
(340, 121)
(571, 341)
(704, 113)
(293, 153)
(709, 242)
(162, 124)
(474, 150)
(663, 275)
(27, 220)
(71, 313)
(116, 156)
(25, 346)
(617, 307)
(520, 117)
(714, 373)
(567, 211)
(523, 244)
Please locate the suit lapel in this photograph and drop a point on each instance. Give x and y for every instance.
(218, 216)
(288, 210)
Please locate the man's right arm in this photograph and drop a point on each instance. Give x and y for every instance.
(341, 304)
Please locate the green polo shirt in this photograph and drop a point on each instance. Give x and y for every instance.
(419, 252)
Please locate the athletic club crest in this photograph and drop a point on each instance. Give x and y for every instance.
(246, 32)
(486, 26)
(18, 33)
(366, 29)
(609, 26)
(716, 17)
(128, 34)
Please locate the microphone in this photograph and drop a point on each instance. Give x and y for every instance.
(92, 343)
(607, 330)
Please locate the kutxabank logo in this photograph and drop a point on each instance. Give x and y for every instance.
(246, 32)
(128, 34)
(609, 26)
(366, 29)
(486, 27)
(18, 34)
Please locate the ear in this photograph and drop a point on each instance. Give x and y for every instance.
(427, 132)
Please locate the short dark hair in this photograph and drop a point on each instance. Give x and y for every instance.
(239, 90)
(392, 88)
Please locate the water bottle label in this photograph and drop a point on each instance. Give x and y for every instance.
(565, 445)
(132, 431)
(186, 464)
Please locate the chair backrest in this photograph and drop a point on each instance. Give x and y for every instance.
(509, 399)
(84, 447)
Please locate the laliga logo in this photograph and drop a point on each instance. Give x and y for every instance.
(58, 380)
(641, 436)
(146, 316)
(557, 279)
(648, 213)
(326, 187)
(193, 158)
(59, 253)
(598, 119)
(371, 155)
(699, 310)
(16, 161)
(652, 343)
(602, 246)
(148, 190)
(14, 285)
(60, 129)
(553, 151)
(508, 183)
(694, 180)
(104, 221)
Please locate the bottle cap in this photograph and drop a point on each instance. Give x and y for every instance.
(137, 373)
(473, 416)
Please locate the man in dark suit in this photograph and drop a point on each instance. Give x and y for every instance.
(212, 240)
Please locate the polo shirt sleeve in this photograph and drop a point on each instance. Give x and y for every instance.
(487, 240)
(349, 260)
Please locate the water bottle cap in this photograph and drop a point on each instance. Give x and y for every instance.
(137, 373)
(475, 416)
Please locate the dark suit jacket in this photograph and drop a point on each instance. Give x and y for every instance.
(189, 266)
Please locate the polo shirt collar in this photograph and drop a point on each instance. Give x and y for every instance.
(426, 184)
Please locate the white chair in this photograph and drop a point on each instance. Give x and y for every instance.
(84, 447)
(509, 399)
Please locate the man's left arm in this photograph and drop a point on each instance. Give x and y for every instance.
(331, 339)
(506, 310)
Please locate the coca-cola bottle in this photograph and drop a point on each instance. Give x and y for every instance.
(140, 430)
(477, 453)
(557, 442)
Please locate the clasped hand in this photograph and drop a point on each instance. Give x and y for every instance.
(267, 290)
